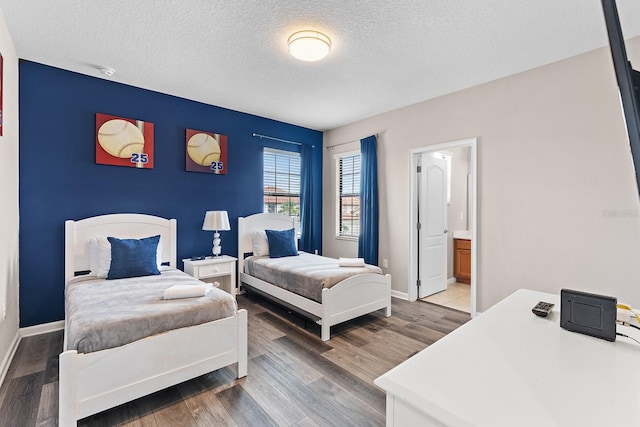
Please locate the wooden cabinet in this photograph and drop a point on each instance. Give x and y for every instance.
(462, 260)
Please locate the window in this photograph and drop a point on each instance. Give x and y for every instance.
(282, 182)
(348, 166)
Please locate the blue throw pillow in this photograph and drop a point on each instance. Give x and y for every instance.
(133, 257)
(281, 243)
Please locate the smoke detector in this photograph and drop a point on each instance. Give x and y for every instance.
(107, 71)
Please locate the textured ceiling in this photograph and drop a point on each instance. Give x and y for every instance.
(386, 54)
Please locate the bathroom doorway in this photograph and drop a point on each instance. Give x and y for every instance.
(444, 218)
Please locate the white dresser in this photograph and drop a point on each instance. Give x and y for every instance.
(508, 367)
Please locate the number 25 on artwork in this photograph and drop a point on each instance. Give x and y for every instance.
(139, 158)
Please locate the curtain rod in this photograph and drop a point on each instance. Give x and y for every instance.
(348, 142)
(257, 135)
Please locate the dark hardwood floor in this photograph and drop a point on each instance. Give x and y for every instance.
(294, 378)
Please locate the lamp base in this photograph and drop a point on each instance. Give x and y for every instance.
(217, 249)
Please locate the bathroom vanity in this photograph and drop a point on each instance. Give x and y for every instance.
(462, 257)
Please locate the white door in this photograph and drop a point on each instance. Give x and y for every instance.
(432, 217)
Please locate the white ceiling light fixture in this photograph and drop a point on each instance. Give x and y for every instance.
(309, 45)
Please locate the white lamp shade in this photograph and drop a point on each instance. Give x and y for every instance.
(309, 45)
(216, 221)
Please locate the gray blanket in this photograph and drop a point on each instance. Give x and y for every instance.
(305, 274)
(104, 314)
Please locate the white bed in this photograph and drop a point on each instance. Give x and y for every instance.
(93, 382)
(350, 298)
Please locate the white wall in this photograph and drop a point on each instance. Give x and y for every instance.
(8, 198)
(558, 203)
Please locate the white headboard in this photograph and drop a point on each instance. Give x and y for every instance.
(130, 226)
(258, 222)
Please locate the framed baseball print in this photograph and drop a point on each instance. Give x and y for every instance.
(206, 152)
(124, 142)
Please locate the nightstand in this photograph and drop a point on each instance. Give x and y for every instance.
(220, 269)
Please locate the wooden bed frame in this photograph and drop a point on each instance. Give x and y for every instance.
(93, 382)
(351, 298)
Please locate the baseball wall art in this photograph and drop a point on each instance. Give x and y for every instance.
(206, 152)
(124, 142)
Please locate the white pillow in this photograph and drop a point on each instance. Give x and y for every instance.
(100, 256)
(260, 244)
(159, 253)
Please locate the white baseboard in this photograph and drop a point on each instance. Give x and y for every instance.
(42, 328)
(401, 295)
(6, 361)
(451, 281)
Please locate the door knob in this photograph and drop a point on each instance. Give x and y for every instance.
(446, 231)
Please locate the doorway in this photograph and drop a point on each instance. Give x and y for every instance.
(441, 212)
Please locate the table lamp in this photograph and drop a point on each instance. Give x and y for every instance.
(216, 221)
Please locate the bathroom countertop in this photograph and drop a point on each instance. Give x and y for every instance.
(462, 234)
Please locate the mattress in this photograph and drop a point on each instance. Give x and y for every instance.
(102, 314)
(305, 274)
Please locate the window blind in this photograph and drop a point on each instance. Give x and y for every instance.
(349, 195)
(281, 182)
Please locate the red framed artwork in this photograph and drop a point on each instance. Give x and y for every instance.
(124, 142)
(206, 152)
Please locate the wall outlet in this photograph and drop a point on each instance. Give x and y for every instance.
(623, 315)
(385, 263)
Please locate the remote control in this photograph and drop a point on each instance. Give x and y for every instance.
(542, 309)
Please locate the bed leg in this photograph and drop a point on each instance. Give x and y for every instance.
(325, 331)
(67, 386)
(242, 343)
(388, 311)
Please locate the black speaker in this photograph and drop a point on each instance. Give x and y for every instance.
(588, 314)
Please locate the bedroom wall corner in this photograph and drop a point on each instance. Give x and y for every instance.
(9, 211)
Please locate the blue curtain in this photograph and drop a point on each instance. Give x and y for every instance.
(306, 199)
(368, 239)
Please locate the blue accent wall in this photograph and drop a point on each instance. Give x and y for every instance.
(60, 180)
